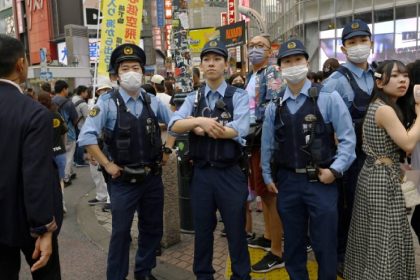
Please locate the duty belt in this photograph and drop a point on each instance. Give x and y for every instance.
(137, 173)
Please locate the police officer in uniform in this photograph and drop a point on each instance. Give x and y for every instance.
(217, 119)
(354, 82)
(298, 138)
(129, 118)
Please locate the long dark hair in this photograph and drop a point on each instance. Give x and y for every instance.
(407, 102)
(383, 73)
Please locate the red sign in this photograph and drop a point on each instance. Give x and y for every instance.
(223, 18)
(39, 30)
(231, 11)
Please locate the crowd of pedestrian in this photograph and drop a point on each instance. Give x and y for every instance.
(322, 150)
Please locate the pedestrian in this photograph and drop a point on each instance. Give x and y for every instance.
(217, 118)
(29, 187)
(237, 80)
(407, 105)
(380, 244)
(59, 136)
(99, 176)
(82, 109)
(262, 84)
(129, 120)
(158, 82)
(68, 111)
(353, 80)
(329, 66)
(298, 138)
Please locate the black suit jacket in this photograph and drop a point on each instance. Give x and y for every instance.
(28, 183)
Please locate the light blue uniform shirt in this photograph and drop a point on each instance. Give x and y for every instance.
(108, 115)
(339, 82)
(240, 102)
(332, 109)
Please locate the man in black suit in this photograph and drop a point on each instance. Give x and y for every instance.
(28, 181)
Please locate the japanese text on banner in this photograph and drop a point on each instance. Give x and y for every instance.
(121, 23)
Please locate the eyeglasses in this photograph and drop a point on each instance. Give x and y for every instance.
(257, 46)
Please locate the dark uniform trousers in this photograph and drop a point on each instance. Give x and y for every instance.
(224, 189)
(10, 262)
(298, 202)
(126, 198)
(347, 190)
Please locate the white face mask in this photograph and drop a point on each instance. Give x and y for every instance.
(295, 74)
(358, 53)
(131, 81)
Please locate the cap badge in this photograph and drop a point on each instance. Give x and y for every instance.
(213, 44)
(355, 25)
(128, 50)
(291, 45)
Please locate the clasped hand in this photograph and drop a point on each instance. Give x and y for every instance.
(211, 126)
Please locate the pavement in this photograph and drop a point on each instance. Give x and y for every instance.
(85, 235)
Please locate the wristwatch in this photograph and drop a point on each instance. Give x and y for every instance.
(336, 174)
(166, 150)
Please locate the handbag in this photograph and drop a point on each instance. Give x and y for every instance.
(409, 187)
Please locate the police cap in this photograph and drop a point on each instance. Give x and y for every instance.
(355, 28)
(291, 47)
(126, 52)
(214, 46)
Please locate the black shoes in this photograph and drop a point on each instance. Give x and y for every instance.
(150, 277)
(261, 243)
(96, 202)
(268, 263)
(107, 207)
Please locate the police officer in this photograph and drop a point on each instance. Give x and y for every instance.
(217, 119)
(130, 120)
(354, 82)
(298, 137)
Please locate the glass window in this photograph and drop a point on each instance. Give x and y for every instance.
(366, 17)
(383, 15)
(383, 47)
(405, 12)
(341, 21)
(326, 24)
(406, 39)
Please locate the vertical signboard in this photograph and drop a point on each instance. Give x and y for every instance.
(231, 11)
(121, 23)
(223, 18)
(160, 10)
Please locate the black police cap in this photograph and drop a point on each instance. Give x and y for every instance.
(126, 52)
(355, 28)
(214, 46)
(291, 47)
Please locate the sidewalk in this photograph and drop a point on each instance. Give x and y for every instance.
(176, 261)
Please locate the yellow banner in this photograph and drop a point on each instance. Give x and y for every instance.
(199, 37)
(121, 23)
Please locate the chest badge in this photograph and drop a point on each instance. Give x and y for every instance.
(94, 112)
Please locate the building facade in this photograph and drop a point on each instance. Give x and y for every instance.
(395, 25)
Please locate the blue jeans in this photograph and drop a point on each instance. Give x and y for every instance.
(60, 160)
(126, 198)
